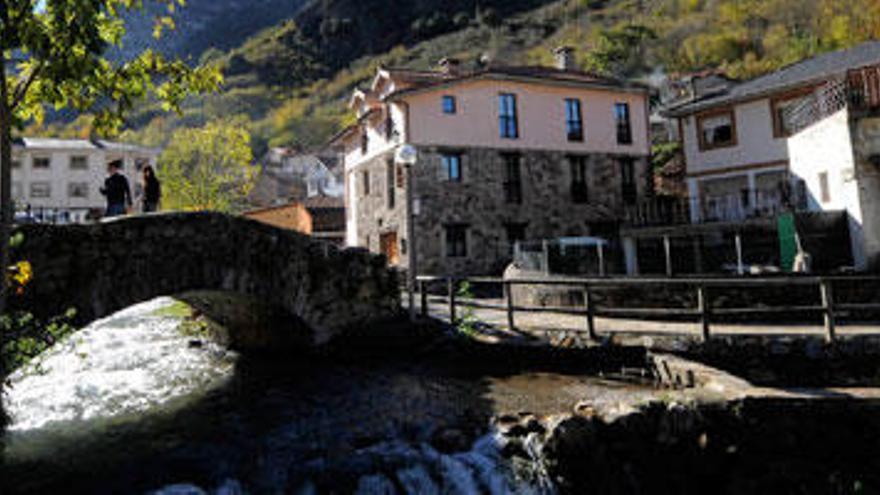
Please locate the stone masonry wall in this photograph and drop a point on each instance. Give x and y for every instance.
(100, 268)
(478, 201)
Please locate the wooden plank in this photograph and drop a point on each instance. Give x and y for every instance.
(450, 289)
(647, 312)
(704, 306)
(590, 304)
(827, 293)
(508, 294)
(423, 294)
(767, 310)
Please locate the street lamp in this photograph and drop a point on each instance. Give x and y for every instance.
(407, 156)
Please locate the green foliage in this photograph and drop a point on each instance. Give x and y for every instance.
(25, 337)
(59, 61)
(663, 153)
(208, 168)
(467, 320)
(620, 51)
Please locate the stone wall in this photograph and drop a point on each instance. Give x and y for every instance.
(866, 148)
(101, 268)
(478, 202)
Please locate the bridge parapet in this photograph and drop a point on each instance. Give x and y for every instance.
(101, 268)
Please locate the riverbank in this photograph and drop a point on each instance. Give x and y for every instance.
(404, 408)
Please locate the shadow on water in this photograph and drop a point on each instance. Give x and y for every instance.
(280, 422)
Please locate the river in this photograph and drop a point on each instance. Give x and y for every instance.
(141, 403)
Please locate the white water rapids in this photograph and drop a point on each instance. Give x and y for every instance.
(129, 363)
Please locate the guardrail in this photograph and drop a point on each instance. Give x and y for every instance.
(704, 288)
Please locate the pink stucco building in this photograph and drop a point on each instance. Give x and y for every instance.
(504, 154)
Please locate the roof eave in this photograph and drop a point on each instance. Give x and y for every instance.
(627, 87)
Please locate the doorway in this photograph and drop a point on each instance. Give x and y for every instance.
(389, 247)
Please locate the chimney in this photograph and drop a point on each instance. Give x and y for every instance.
(451, 66)
(564, 58)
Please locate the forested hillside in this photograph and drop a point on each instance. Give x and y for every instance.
(290, 81)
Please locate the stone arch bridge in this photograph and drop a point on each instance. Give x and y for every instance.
(101, 268)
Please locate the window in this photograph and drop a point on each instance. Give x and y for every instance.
(389, 184)
(717, 130)
(365, 178)
(622, 121)
(41, 190)
(78, 190)
(628, 180)
(824, 187)
(507, 123)
(516, 232)
(451, 167)
(79, 163)
(512, 179)
(401, 176)
(449, 106)
(574, 125)
(389, 125)
(16, 163)
(365, 142)
(579, 188)
(456, 241)
(41, 162)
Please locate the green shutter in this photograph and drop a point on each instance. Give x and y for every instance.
(787, 241)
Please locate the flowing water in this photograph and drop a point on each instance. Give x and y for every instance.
(134, 404)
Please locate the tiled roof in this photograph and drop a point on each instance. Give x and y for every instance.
(812, 70)
(316, 202)
(80, 144)
(530, 73)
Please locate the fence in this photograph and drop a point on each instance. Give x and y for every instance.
(745, 204)
(705, 291)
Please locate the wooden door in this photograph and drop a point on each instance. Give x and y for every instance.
(388, 244)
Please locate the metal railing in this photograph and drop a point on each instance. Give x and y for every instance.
(734, 207)
(705, 290)
(859, 90)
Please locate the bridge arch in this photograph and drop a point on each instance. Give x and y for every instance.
(101, 268)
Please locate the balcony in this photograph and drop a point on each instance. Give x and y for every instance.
(858, 90)
(748, 204)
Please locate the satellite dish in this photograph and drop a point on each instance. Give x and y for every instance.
(406, 154)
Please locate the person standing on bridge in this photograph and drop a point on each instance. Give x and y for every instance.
(152, 191)
(117, 190)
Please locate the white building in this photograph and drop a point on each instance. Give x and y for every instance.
(798, 139)
(60, 179)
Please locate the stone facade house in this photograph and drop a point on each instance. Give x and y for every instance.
(505, 154)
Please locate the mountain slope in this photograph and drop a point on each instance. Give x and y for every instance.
(291, 79)
(205, 24)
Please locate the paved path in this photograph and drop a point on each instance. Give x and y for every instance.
(559, 326)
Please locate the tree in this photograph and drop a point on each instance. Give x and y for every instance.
(619, 51)
(53, 54)
(208, 168)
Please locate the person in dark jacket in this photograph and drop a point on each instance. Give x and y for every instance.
(152, 191)
(117, 190)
